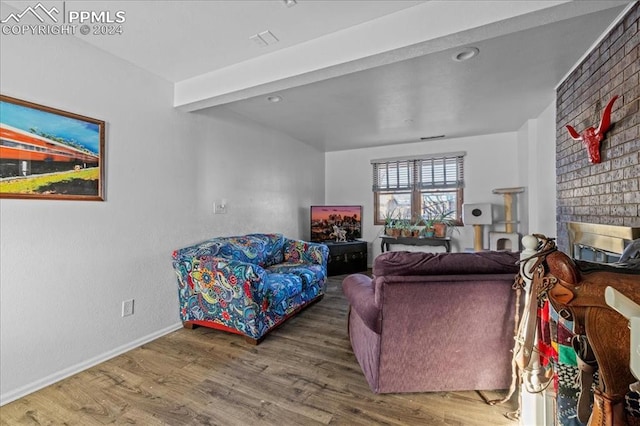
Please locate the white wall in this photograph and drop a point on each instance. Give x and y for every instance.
(66, 266)
(526, 138)
(537, 173)
(543, 209)
(268, 179)
(491, 162)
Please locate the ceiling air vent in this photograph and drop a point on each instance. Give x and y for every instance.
(265, 38)
(428, 138)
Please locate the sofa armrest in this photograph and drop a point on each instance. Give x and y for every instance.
(229, 291)
(205, 248)
(305, 252)
(359, 291)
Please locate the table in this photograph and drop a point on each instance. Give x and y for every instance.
(387, 242)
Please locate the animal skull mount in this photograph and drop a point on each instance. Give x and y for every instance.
(591, 137)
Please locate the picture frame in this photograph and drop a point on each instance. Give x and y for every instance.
(47, 153)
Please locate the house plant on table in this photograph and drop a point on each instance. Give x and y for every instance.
(407, 229)
(428, 230)
(392, 225)
(437, 218)
(416, 228)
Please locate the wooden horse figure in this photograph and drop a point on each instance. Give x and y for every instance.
(579, 293)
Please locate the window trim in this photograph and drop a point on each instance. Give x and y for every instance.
(415, 185)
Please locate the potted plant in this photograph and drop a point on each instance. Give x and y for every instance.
(410, 227)
(406, 228)
(416, 227)
(440, 229)
(428, 230)
(438, 218)
(390, 222)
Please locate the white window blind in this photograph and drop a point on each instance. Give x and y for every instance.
(440, 173)
(393, 176)
(443, 172)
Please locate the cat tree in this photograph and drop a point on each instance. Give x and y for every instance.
(478, 215)
(507, 240)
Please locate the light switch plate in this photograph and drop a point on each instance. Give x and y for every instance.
(220, 207)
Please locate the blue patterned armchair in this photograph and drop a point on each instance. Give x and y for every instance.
(248, 284)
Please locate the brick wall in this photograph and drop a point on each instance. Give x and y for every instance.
(608, 192)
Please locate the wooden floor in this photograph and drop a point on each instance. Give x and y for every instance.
(304, 373)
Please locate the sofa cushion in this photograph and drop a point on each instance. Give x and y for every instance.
(403, 263)
(310, 274)
(298, 251)
(280, 289)
(259, 249)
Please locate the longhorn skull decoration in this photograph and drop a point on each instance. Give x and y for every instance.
(591, 137)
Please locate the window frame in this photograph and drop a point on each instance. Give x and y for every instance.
(417, 188)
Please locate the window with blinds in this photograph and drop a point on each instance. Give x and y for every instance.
(409, 188)
(393, 175)
(440, 173)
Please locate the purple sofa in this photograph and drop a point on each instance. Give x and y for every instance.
(434, 322)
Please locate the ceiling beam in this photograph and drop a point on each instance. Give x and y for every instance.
(420, 30)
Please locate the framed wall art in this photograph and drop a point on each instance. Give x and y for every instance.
(47, 153)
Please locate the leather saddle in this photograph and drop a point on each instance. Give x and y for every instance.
(579, 292)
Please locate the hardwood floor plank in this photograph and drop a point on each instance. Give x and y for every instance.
(303, 373)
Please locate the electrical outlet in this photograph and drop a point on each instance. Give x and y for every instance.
(127, 307)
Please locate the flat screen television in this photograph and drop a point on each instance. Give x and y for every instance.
(346, 218)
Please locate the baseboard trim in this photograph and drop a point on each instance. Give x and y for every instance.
(11, 396)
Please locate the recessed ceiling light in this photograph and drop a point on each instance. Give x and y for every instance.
(466, 53)
(289, 3)
(274, 98)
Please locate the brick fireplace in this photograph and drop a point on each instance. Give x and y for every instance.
(609, 192)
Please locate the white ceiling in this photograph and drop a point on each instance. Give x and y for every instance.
(356, 74)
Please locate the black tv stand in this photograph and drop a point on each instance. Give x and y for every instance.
(346, 257)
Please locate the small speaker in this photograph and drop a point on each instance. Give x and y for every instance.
(477, 214)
